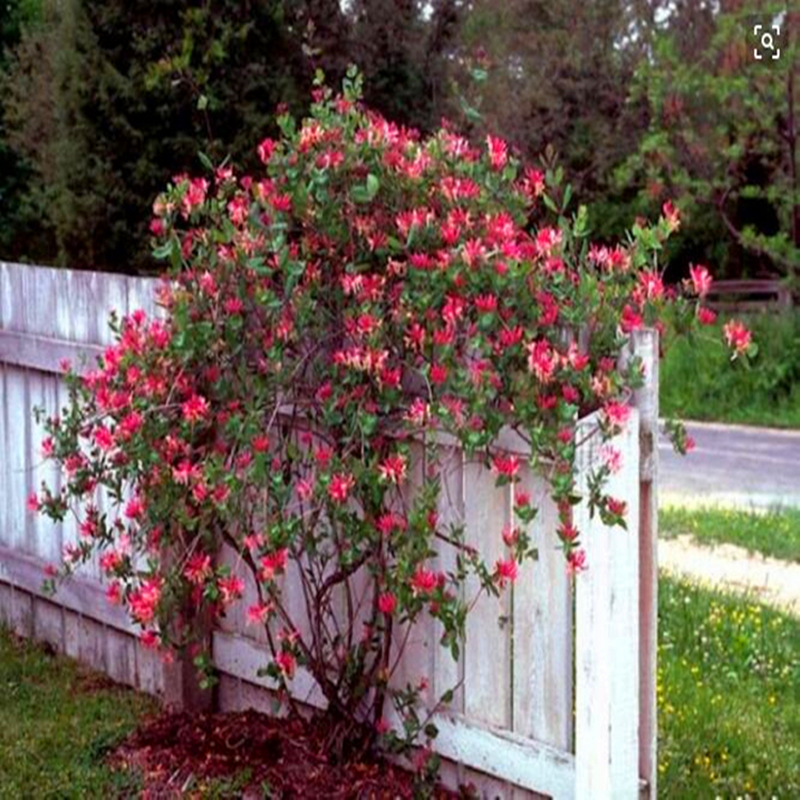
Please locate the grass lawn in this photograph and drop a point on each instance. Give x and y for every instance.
(728, 695)
(699, 382)
(57, 721)
(776, 533)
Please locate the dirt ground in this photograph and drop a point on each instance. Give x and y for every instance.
(248, 754)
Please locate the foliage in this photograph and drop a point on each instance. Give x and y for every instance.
(106, 100)
(366, 290)
(723, 136)
(728, 696)
(57, 723)
(775, 533)
(697, 382)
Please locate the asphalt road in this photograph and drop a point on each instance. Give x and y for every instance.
(732, 465)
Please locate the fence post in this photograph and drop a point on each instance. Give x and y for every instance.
(644, 344)
(607, 630)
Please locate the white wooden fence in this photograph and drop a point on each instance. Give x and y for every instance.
(558, 702)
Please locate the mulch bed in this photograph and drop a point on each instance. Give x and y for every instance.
(178, 755)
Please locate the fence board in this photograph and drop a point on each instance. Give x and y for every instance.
(487, 653)
(510, 727)
(607, 634)
(543, 630)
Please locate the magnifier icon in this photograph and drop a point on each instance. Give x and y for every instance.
(767, 42)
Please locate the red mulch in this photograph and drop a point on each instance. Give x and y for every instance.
(177, 753)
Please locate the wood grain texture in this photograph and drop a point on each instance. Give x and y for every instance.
(607, 634)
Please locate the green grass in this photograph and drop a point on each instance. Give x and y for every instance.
(699, 382)
(729, 697)
(774, 533)
(56, 726)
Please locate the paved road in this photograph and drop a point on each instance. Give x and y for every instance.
(732, 465)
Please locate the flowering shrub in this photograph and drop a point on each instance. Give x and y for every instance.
(368, 288)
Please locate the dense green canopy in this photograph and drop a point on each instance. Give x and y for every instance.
(640, 101)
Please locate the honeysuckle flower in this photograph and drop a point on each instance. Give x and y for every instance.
(505, 571)
(701, 280)
(507, 466)
(616, 414)
(387, 603)
(576, 562)
(542, 360)
(498, 152)
(393, 469)
(198, 568)
(737, 336)
(273, 564)
(706, 316)
(340, 487)
(195, 408)
(259, 614)
(423, 581)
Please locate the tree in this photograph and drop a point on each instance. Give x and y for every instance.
(722, 136)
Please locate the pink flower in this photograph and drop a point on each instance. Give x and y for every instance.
(652, 285)
(195, 408)
(33, 503)
(144, 600)
(672, 216)
(522, 499)
(186, 472)
(340, 487)
(506, 466)
(231, 588)
(701, 280)
(510, 535)
(616, 507)
(266, 149)
(631, 320)
(387, 603)
(423, 581)
(134, 508)
(110, 561)
(612, 458)
(576, 562)
(129, 425)
(541, 360)
(737, 336)
(418, 412)
(198, 568)
(261, 443)
(195, 195)
(273, 564)
(114, 593)
(505, 571)
(389, 522)
(706, 316)
(616, 414)
(498, 152)
(259, 613)
(287, 663)
(568, 532)
(393, 469)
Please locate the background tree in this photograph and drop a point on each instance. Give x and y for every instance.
(722, 137)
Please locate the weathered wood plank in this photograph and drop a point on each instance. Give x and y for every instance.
(507, 756)
(26, 572)
(487, 657)
(543, 629)
(607, 635)
(43, 353)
